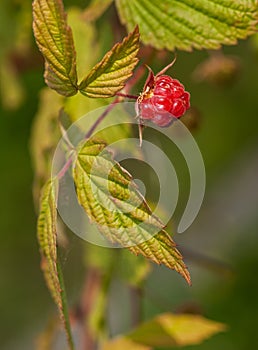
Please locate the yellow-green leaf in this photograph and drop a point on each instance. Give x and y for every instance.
(47, 238)
(169, 330)
(187, 24)
(124, 344)
(111, 199)
(110, 74)
(55, 41)
(181, 330)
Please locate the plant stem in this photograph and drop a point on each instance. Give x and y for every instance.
(69, 161)
(101, 117)
(135, 97)
(64, 169)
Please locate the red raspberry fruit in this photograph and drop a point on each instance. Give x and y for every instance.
(163, 99)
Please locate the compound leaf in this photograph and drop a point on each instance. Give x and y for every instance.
(111, 200)
(187, 24)
(110, 74)
(55, 41)
(47, 238)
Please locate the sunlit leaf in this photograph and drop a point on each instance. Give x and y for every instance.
(111, 199)
(187, 24)
(55, 41)
(110, 74)
(124, 344)
(179, 329)
(162, 250)
(170, 330)
(96, 9)
(47, 238)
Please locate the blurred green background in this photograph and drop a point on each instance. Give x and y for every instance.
(220, 247)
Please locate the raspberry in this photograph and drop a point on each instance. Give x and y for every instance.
(147, 111)
(161, 103)
(178, 108)
(162, 99)
(162, 119)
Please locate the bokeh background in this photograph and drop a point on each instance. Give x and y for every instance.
(220, 247)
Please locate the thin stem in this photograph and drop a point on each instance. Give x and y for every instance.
(66, 166)
(101, 117)
(69, 161)
(135, 97)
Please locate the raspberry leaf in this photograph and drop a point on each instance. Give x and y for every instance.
(169, 330)
(111, 199)
(110, 74)
(55, 41)
(47, 236)
(187, 24)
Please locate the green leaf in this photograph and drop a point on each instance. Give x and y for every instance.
(96, 9)
(123, 343)
(168, 330)
(47, 238)
(55, 41)
(162, 250)
(110, 74)
(111, 199)
(187, 24)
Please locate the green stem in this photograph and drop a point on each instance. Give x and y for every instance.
(65, 313)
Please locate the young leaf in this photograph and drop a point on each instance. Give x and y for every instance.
(110, 74)
(187, 24)
(47, 235)
(169, 330)
(55, 41)
(110, 198)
